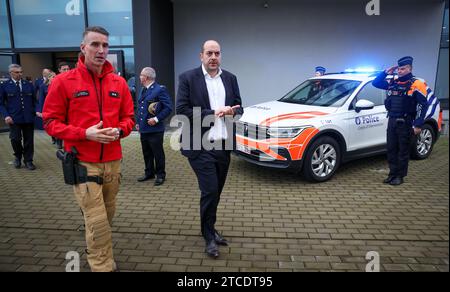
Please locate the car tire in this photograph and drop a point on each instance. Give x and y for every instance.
(322, 159)
(422, 144)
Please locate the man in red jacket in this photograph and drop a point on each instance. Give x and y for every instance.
(91, 109)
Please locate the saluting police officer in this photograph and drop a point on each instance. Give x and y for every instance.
(407, 106)
(18, 107)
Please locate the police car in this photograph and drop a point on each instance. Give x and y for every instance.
(325, 122)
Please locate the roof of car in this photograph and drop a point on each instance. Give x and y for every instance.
(348, 76)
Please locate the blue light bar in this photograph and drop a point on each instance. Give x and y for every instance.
(361, 70)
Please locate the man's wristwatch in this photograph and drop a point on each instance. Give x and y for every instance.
(120, 132)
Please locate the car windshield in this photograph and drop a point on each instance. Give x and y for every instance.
(322, 92)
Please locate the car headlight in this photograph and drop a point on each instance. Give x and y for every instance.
(285, 132)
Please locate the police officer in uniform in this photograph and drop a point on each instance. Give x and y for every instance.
(41, 81)
(407, 106)
(320, 71)
(18, 107)
(316, 87)
(155, 105)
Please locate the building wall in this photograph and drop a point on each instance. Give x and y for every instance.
(273, 49)
(34, 63)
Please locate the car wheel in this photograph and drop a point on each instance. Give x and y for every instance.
(423, 143)
(322, 160)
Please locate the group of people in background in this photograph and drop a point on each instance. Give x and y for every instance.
(91, 109)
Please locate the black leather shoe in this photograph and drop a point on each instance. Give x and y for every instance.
(388, 179)
(145, 178)
(30, 166)
(17, 163)
(212, 250)
(219, 239)
(159, 181)
(396, 181)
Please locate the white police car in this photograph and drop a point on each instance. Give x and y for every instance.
(324, 122)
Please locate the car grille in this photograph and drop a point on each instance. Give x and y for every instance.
(252, 131)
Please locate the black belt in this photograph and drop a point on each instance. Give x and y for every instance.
(399, 116)
(95, 179)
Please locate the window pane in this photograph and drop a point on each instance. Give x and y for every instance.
(372, 94)
(116, 17)
(4, 27)
(129, 62)
(5, 61)
(47, 23)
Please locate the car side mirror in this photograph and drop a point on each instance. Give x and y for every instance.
(363, 105)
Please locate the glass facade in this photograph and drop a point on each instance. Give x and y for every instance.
(57, 25)
(129, 62)
(47, 23)
(116, 16)
(4, 26)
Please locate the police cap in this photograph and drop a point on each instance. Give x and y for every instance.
(408, 60)
(320, 69)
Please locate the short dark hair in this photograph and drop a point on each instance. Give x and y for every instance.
(62, 64)
(97, 29)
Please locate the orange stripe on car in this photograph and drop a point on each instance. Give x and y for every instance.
(300, 115)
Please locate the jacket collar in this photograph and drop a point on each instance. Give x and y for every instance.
(107, 67)
(405, 78)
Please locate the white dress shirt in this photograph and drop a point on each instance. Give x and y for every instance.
(148, 87)
(20, 83)
(217, 95)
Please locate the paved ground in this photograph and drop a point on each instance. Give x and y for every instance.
(275, 221)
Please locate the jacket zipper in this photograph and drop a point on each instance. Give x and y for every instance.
(100, 105)
(101, 116)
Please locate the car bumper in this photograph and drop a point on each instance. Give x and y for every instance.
(258, 158)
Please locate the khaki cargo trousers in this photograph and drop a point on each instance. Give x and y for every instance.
(98, 203)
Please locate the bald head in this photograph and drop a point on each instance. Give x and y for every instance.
(211, 57)
(210, 43)
(46, 72)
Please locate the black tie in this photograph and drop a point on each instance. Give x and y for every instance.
(18, 86)
(144, 90)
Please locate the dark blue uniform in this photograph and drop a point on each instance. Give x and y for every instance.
(152, 137)
(19, 103)
(38, 84)
(407, 106)
(43, 91)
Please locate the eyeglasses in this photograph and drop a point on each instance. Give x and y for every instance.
(17, 72)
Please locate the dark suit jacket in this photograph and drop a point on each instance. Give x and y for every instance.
(192, 92)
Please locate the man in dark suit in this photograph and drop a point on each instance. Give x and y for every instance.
(154, 107)
(209, 95)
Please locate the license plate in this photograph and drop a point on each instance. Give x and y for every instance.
(243, 148)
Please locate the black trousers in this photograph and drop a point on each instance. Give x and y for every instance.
(25, 131)
(154, 156)
(211, 169)
(399, 138)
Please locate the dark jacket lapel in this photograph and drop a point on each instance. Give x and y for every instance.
(203, 88)
(227, 84)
